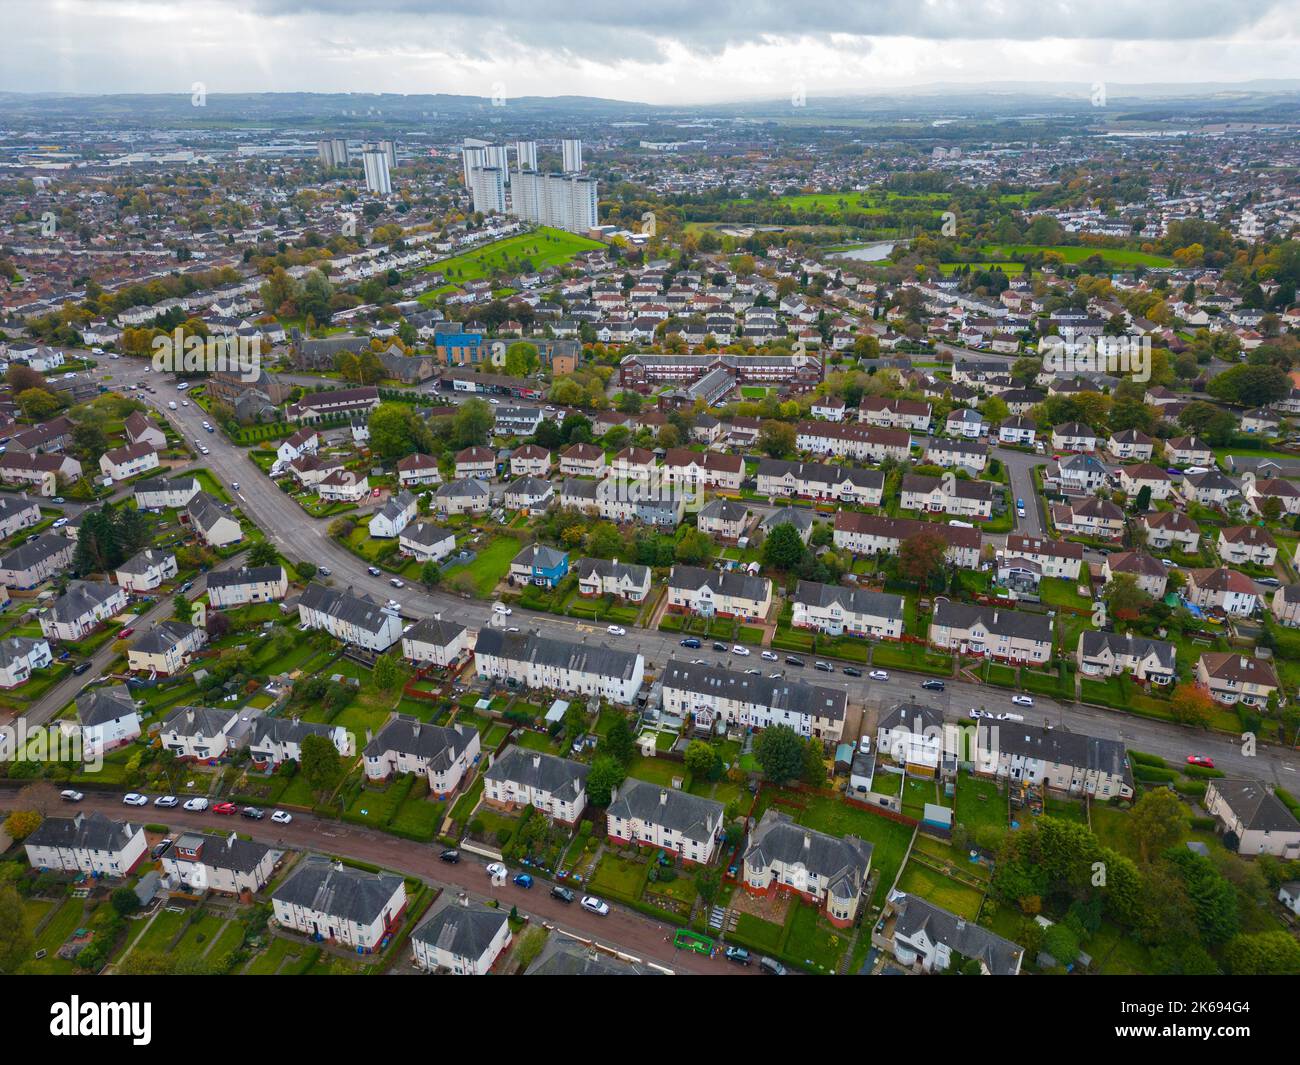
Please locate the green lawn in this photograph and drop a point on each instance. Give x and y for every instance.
(542, 248)
(978, 803)
(491, 564)
(941, 890)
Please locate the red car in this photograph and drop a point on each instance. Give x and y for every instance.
(1201, 760)
(225, 808)
(125, 633)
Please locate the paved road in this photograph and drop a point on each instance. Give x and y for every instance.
(623, 929)
(301, 537)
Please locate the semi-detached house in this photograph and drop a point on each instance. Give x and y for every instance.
(651, 815)
(713, 694)
(1007, 635)
(444, 755)
(709, 593)
(521, 777)
(351, 907)
(88, 843)
(545, 663)
(837, 610)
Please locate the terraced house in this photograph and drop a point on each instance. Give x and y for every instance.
(709, 593)
(717, 696)
(19, 657)
(17, 513)
(837, 610)
(520, 777)
(88, 843)
(966, 499)
(1068, 762)
(30, 564)
(1049, 558)
(866, 443)
(875, 534)
(703, 469)
(408, 745)
(529, 660)
(1106, 654)
(686, 825)
(825, 870)
(355, 619)
(1007, 635)
(821, 481)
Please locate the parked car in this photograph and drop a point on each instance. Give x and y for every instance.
(523, 880)
(253, 813)
(852, 671)
(718, 645)
(160, 848)
(497, 870)
(771, 966)
(451, 857)
(563, 894)
(69, 795)
(281, 817)
(128, 631)
(196, 804)
(770, 656)
(932, 685)
(1020, 512)
(791, 660)
(134, 798)
(1022, 700)
(975, 715)
(234, 485)
(227, 808)
(595, 905)
(1204, 761)
(374, 571)
(616, 630)
(691, 642)
(502, 609)
(738, 954)
(396, 582)
(825, 667)
(80, 668)
(879, 674)
(324, 571)
(167, 801)
(737, 649)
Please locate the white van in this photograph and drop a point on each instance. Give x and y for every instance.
(171, 404)
(501, 608)
(960, 524)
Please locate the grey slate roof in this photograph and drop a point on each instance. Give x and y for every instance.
(16, 648)
(434, 632)
(843, 863)
(285, 730)
(25, 556)
(547, 772)
(779, 693)
(612, 568)
(436, 744)
(539, 556)
(1000, 956)
(735, 583)
(396, 505)
(1058, 746)
(198, 720)
(205, 511)
(1094, 643)
(220, 852)
(86, 831)
(230, 578)
(98, 705)
(566, 958)
(558, 654)
(1258, 808)
(799, 517)
(338, 890)
(1012, 623)
(858, 600)
(358, 610)
(724, 510)
(915, 716)
(144, 561)
(163, 636)
(80, 598)
(691, 815)
(465, 931)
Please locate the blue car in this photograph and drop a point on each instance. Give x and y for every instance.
(524, 880)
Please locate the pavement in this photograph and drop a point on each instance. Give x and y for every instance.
(300, 537)
(623, 929)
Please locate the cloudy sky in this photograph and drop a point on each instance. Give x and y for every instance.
(657, 51)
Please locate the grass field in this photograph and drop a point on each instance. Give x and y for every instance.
(941, 890)
(542, 248)
(1077, 253)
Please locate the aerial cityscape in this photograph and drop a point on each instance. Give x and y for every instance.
(628, 494)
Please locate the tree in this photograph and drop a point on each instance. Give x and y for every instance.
(396, 431)
(430, 574)
(1157, 822)
(693, 548)
(124, 902)
(606, 774)
(702, 760)
(388, 672)
(1061, 942)
(1247, 385)
(779, 750)
(1263, 954)
(38, 405)
(776, 439)
(182, 609)
(263, 553)
(1126, 600)
(783, 549)
(1189, 704)
(522, 359)
(708, 882)
(921, 557)
(814, 763)
(22, 823)
(472, 424)
(322, 765)
(16, 939)
(618, 742)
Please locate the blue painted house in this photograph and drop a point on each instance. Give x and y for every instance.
(537, 564)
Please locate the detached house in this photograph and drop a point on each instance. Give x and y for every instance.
(650, 815)
(148, 570)
(212, 522)
(1253, 813)
(1149, 575)
(424, 542)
